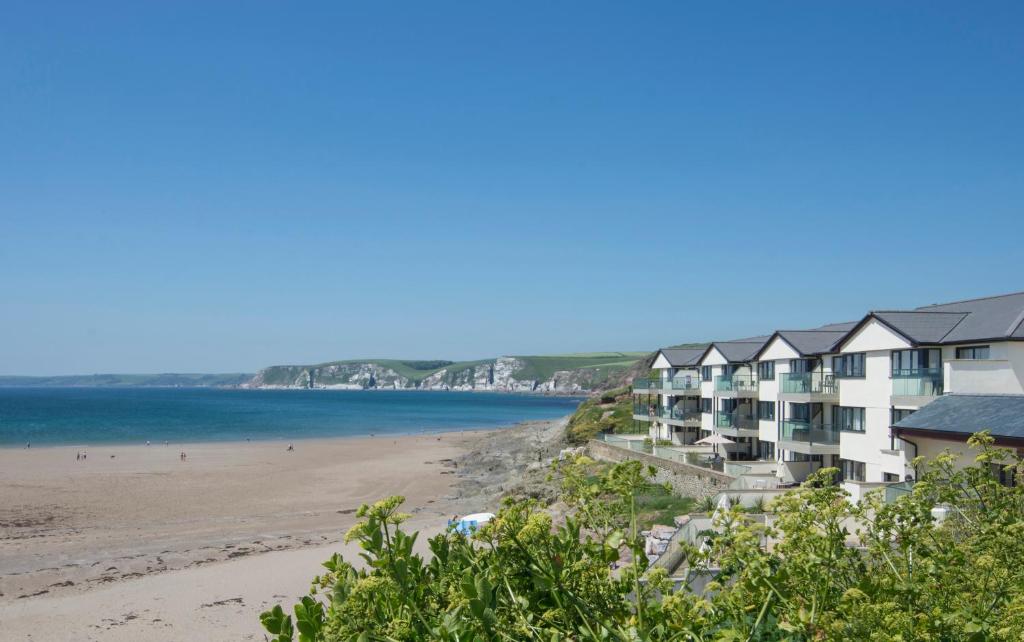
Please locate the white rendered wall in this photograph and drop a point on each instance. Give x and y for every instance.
(873, 393)
(1003, 373)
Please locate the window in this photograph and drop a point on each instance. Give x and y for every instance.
(910, 362)
(705, 373)
(848, 365)
(766, 370)
(766, 410)
(846, 418)
(800, 411)
(794, 456)
(801, 366)
(973, 352)
(850, 470)
(899, 414)
(705, 404)
(766, 450)
(890, 477)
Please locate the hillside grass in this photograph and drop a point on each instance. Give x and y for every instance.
(604, 365)
(589, 419)
(542, 368)
(169, 379)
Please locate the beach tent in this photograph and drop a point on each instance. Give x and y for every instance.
(470, 523)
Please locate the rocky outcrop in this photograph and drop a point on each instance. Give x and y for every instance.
(505, 374)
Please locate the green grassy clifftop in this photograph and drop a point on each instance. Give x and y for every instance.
(548, 373)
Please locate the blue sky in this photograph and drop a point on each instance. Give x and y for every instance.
(223, 186)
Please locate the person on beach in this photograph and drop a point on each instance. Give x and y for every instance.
(78, 456)
(291, 448)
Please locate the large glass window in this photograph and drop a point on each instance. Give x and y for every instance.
(848, 418)
(766, 370)
(705, 373)
(801, 366)
(766, 450)
(972, 352)
(705, 404)
(800, 411)
(766, 410)
(910, 362)
(851, 470)
(848, 365)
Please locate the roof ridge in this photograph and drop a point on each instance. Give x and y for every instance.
(918, 311)
(955, 326)
(980, 298)
(1016, 323)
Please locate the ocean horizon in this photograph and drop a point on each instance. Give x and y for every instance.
(93, 416)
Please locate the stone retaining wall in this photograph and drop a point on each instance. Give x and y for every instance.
(686, 480)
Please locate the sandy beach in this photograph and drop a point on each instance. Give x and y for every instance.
(135, 544)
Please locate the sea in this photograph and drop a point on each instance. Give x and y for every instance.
(88, 416)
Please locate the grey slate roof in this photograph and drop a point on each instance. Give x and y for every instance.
(988, 318)
(923, 327)
(812, 342)
(845, 326)
(680, 357)
(740, 350)
(1002, 415)
(991, 318)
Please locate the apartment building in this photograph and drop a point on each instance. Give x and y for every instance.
(729, 394)
(865, 397)
(797, 397)
(894, 363)
(670, 400)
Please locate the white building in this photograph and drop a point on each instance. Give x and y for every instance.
(894, 363)
(670, 401)
(729, 394)
(844, 395)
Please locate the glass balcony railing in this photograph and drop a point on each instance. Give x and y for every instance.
(643, 411)
(917, 382)
(681, 414)
(687, 384)
(806, 432)
(897, 490)
(736, 383)
(816, 383)
(646, 384)
(735, 419)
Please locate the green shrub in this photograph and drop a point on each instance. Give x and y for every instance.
(522, 578)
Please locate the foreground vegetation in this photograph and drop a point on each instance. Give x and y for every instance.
(610, 411)
(521, 577)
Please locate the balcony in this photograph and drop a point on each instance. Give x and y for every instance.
(736, 386)
(689, 417)
(809, 438)
(642, 412)
(737, 423)
(646, 384)
(806, 387)
(916, 386)
(684, 386)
